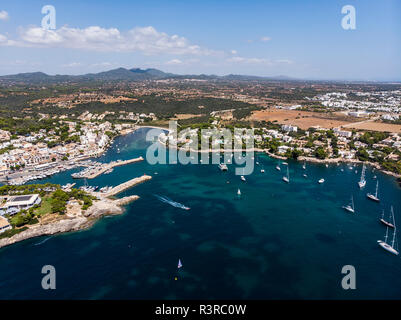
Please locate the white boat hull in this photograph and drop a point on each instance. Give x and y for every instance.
(349, 209)
(387, 247)
(372, 197)
(388, 224)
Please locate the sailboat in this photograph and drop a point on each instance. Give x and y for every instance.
(388, 224)
(350, 207)
(243, 177)
(179, 266)
(362, 182)
(287, 178)
(374, 197)
(239, 192)
(390, 248)
(304, 165)
(278, 167)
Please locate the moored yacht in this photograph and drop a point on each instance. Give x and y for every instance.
(223, 167)
(386, 246)
(287, 177)
(374, 196)
(385, 222)
(350, 207)
(362, 182)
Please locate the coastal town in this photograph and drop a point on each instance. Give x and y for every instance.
(218, 151)
(65, 146)
(290, 120)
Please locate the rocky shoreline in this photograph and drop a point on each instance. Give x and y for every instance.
(83, 220)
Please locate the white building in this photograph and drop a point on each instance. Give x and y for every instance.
(14, 204)
(289, 128)
(342, 133)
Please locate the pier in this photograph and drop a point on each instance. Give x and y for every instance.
(126, 185)
(95, 172)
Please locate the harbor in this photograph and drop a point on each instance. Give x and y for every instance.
(96, 169)
(254, 230)
(126, 185)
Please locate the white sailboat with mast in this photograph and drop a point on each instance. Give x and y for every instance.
(386, 246)
(362, 182)
(374, 196)
(385, 222)
(287, 177)
(350, 207)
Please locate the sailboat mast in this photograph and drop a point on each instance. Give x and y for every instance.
(363, 173)
(377, 187)
(395, 228)
(386, 236)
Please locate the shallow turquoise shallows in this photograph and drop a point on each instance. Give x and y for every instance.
(277, 241)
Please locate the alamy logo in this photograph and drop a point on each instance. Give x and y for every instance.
(49, 280)
(49, 20)
(348, 22)
(349, 280)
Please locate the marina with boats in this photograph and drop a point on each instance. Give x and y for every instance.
(95, 169)
(208, 201)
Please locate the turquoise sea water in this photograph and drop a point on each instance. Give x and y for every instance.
(278, 241)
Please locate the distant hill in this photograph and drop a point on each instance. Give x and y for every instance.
(122, 74)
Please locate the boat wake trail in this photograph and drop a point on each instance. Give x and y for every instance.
(171, 202)
(42, 242)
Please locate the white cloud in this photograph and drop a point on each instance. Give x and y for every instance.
(3, 39)
(141, 39)
(233, 51)
(102, 64)
(174, 62)
(72, 65)
(286, 61)
(4, 15)
(265, 39)
(250, 60)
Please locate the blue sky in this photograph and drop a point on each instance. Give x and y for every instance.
(302, 39)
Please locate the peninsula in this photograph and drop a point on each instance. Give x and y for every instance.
(61, 211)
